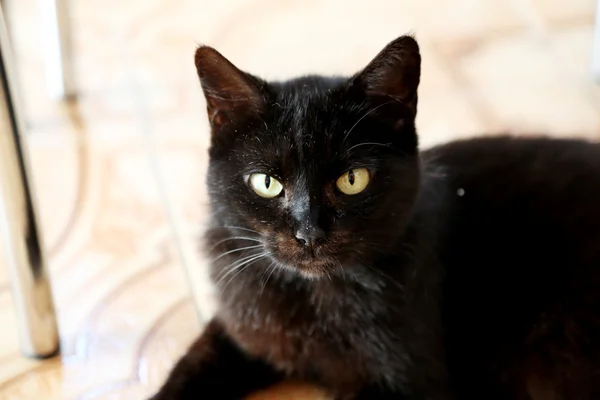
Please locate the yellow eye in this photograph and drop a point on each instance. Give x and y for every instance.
(353, 181)
(265, 186)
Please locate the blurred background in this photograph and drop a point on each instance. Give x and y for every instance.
(111, 168)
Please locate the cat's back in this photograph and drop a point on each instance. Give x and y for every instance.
(521, 253)
(522, 160)
(540, 195)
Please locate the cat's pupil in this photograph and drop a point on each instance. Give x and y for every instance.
(267, 181)
(351, 177)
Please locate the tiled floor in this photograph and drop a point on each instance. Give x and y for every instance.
(124, 306)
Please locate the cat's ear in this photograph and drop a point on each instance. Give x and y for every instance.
(230, 93)
(393, 76)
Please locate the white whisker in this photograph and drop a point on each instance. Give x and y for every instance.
(272, 267)
(233, 238)
(240, 268)
(240, 228)
(236, 250)
(368, 143)
(234, 264)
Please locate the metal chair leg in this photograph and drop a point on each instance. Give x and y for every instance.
(596, 48)
(58, 47)
(19, 227)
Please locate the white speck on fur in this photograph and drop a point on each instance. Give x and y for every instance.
(460, 192)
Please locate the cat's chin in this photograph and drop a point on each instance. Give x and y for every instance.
(311, 269)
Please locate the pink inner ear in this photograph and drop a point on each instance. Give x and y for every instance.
(230, 93)
(214, 116)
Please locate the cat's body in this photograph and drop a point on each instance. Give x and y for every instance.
(526, 233)
(468, 271)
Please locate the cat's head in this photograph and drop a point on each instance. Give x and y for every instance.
(322, 171)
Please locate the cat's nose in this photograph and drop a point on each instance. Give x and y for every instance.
(310, 237)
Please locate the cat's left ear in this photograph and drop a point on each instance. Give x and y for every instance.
(231, 94)
(392, 77)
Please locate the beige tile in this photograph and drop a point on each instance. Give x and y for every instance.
(56, 168)
(184, 167)
(445, 116)
(4, 279)
(557, 11)
(123, 302)
(446, 109)
(355, 37)
(450, 20)
(9, 343)
(42, 381)
(572, 48)
(253, 40)
(524, 88)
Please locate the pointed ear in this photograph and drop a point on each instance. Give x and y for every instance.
(393, 77)
(230, 93)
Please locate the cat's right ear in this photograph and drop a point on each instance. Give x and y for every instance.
(392, 79)
(231, 94)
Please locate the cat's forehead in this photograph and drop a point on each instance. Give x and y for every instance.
(308, 85)
(312, 124)
(305, 131)
(305, 119)
(302, 97)
(313, 107)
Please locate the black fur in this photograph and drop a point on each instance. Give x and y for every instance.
(468, 271)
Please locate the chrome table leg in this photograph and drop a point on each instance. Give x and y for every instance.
(596, 45)
(56, 31)
(19, 228)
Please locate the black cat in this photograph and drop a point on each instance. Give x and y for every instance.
(345, 257)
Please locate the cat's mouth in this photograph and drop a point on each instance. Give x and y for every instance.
(312, 263)
(310, 268)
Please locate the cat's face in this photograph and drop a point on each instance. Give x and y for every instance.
(323, 171)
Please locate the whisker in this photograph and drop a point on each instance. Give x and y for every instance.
(343, 271)
(234, 266)
(388, 145)
(233, 238)
(272, 267)
(244, 266)
(237, 262)
(236, 250)
(265, 272)
(239, 227)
